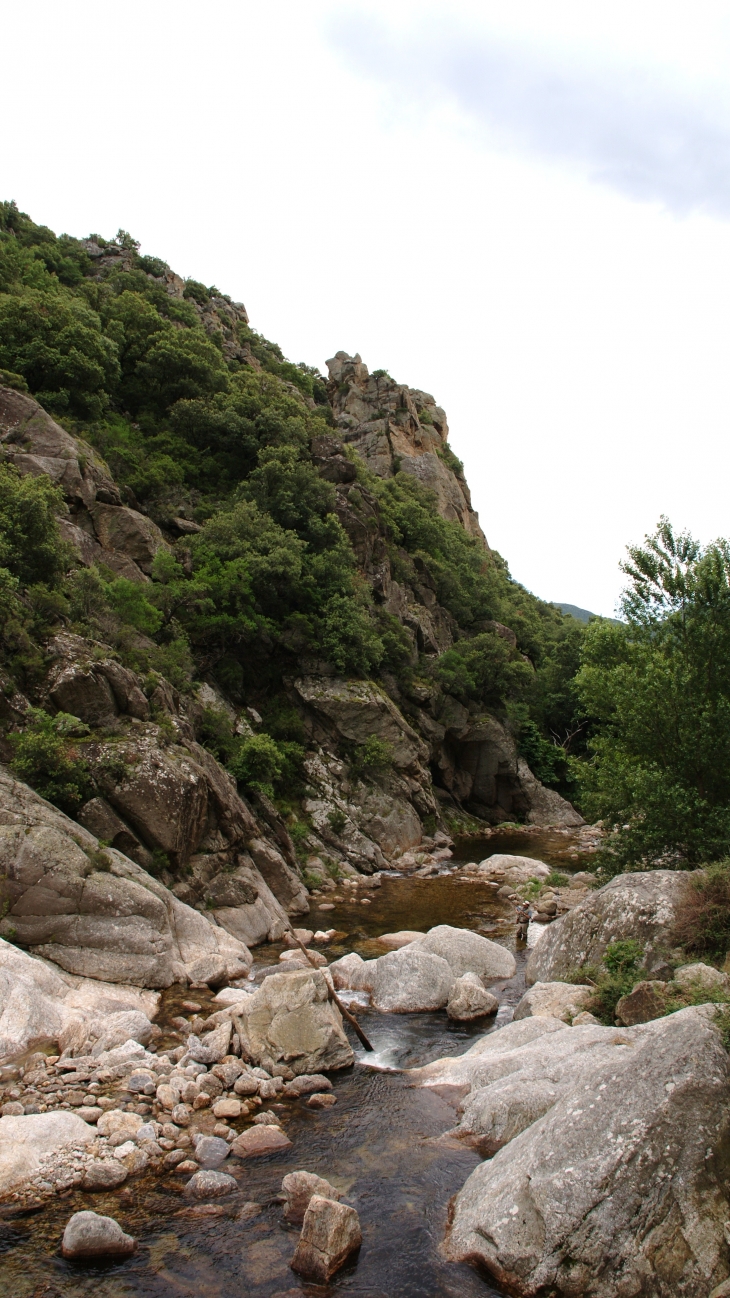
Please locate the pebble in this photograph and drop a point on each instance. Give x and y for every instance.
(211, 1151)
(228, 1108)
(321, 1100)
(188, 1166)
(105, 1174)
(267, 1139)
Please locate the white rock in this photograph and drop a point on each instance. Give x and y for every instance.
(24, 1141)
(554, 1000)
(411, 980)
(691, 976)
(468, 999)
(468, 952)
(513, 869)
(291, 1020)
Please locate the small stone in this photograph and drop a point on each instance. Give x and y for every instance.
(210, 1151)
(89, 1235)
(89, 1113)
(326, 905)
(187, 1167)
(249, 1211)
(266, 1117)
(306, 1084)
(117, 1120)
(228, 1108)
(148, 1131)
(126, 1147)
(175, 1157)
(181, 1115)
(256, 1141)
(136, 1161)
(246, 1084)
(201, 1101)
(321, 1100)
(104, 1174)
(210, 1184)
(299, 1187)
(167, 1096)
(13, 1109)
(330, 1234)
(192, 1007)
(586, 1019)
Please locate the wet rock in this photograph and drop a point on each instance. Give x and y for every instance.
(135, 1160)
(321, 1100)
(554, 1000)
(260, 1140)
(411, 980)
(211, 1151)
(330, 1234)
(188, 1167)
(469, 999)
(88, 1235)
(182, 1115)
(618, 1132)
(468, 952)
(646, 1001)
(210, 1185)
(307, 1084)
(291, 1020)
(642, 905)
(313, 958)
(104, 1174)
(299, 1188)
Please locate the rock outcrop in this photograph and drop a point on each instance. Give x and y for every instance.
(643, 906)
(610, 1171)
(290, 1020)
(96, 913)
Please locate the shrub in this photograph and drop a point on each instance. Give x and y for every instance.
(47, 761)
(372, 757)
(703, 922)
(337, 820)
(258, 764)
(618, 976)
(30, 545)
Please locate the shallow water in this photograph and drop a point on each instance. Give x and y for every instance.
(560, 848)
(378, 1145)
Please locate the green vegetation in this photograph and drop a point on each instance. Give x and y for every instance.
(658, 688)
(703, 922)
(46, 758)
(617, 976)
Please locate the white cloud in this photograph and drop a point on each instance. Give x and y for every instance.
(645, 129)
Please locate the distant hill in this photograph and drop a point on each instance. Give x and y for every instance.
(580, 614)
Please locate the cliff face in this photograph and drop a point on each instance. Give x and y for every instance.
(395, 428)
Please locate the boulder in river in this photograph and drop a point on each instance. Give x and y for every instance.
(411, 980)
(643, 906)
(330, 1234)
(469, 999)
(299, 1188)
(290, 1020)
(210, 1185)
(609, 1173)
(467, 952)
(513, 869)
(554, 1000)
(88, 1235)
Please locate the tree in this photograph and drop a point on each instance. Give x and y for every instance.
(30, 546)
(658, 687)
(56, 343)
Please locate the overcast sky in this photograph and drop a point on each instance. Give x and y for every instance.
(522, 208)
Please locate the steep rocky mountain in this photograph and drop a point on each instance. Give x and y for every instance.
(241, 721)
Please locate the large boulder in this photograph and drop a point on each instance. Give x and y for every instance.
(467, 952)
(609, 1175)
(121, 528)
(643, 906)
(357, 711)
(292, 1021)
(411, 980)
(24, 1141)
(513, 869)
(98, 914)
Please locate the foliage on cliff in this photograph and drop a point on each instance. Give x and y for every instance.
(200, 417)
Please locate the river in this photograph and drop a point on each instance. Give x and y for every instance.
(379, 1145)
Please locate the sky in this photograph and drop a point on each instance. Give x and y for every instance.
(521, 208)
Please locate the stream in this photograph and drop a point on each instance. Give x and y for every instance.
(379, 1145)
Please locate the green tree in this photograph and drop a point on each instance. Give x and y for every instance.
(658, 687)
(55, 342)
(30, 545)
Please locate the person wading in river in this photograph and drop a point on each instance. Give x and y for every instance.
(524, 915)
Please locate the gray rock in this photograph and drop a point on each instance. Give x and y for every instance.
(211, 1151)
(307, 1084)
(646, 1001)
(554, 1000)
(104, 1174)
(608, 1143)
(299, 1188)
(513, 869)
(24, 1141)
(411, 980)
(291, 1020)
(468, 952)
(210, 1185)
(89, 1235)
(330, 1234)
(468, 1000)
(643, 906)
(701, 976)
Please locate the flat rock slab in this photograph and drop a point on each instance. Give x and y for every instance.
(260, 1140)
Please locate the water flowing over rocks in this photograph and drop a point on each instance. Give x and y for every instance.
(642, 906)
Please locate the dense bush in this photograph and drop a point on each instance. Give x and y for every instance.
(47, 759)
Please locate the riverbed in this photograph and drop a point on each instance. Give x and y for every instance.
(379, 1145)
